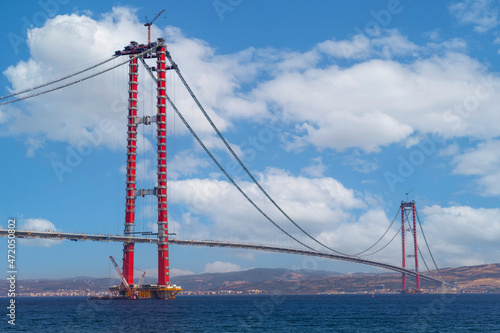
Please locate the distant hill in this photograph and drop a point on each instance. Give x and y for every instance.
(468, 278)
(257, 275)
(473, 276)
(270, 281)
(266, 279)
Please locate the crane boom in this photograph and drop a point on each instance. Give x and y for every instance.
(125, 283)
(157, 16)
(148, 24)
(141, 281)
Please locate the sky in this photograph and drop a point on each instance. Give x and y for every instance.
(337, 108)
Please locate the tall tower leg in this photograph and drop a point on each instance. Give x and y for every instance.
(128, 248)
(161, 120)
(415, 246)
(403, 250)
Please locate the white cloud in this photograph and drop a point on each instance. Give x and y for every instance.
(366, 230)
(336, 216)
(359, 164)
(457, 236)
(221, 267)
(336, 131)
(287, 61)
(316, 168)
(216, 80)
(3, 117)
(379, 102)
(482, 162)
(174, 272)
(243, 254)
(153, 273)
(434, 35)
(138, 274)
(64, 45)
(186, 163)
(317, 204)
(373, 101)
(187, 225)
(33, 144)
(38, 224)
(390, 43)
(145, 170)
(483, 14)
(462, 235)
(214, 142)
(68, 43)
(452, 150)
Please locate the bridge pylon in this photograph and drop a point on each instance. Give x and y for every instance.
(406, 209)
(163, 289)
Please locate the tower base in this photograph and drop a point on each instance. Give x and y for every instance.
(412, 291)
(146, 291)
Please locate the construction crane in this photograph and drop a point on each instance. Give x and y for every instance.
(125, 283)
(407, 195)
(141, 281)
(148, 24)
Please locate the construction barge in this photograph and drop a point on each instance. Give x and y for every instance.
(125, 291)
(146, 291)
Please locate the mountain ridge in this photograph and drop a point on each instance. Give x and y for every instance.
(479, 278)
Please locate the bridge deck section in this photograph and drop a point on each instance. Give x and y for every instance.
(210, 243)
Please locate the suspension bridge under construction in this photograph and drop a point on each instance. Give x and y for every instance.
(137, 54)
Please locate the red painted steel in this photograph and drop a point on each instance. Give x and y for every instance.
(403, 282)
(128, 248)
(415, 244)
(161, 120)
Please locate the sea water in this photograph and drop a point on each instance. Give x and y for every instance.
(276, 313)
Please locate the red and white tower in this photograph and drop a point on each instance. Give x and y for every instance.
(162, 290)
(403, 246)
(417, 288)
(161, 121)
(128, 248)
(407, 207)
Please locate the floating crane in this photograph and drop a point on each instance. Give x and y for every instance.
(139, 290)
(131, 294)
(148, 24)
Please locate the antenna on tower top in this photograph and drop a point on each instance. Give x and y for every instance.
(148, 24)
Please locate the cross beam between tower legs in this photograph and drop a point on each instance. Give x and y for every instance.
(161, 121)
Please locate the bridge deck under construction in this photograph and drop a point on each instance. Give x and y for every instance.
(132, 239)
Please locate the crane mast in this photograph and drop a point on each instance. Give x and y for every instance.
(148, 24)
(141, 281)
(124, 281)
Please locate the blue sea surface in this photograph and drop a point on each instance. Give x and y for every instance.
(279, 313)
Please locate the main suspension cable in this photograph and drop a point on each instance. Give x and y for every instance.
(427, 244)
(397, 233)
(220, 166)
(422, 258)
(80, 80)
(395, 217)
(174, 66)
(58, 80)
